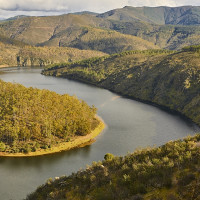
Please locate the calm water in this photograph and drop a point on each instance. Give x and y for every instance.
(130, 125)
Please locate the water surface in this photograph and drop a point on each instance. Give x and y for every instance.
(130, 125)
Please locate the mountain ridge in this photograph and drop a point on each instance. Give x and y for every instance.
(157, 15)
(67, 29)
(71, 31)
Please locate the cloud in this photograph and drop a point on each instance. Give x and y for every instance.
(152, 3)
(49, 7)
(60, 5)
(93, 5)
(171, 3)
(33, 5)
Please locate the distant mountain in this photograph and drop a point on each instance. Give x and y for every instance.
(85, 12)
(107, 41)
(36, 30)
(15, 17)
(172, 37)
(186, 15)
(159, 27)
(72, 31)
(167, 27)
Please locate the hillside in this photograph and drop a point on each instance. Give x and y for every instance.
(107, 41)
(169, 172)
(167, 27)
(169, 79)
(165, 36)
(36, 30)
(15, 53)
(43, 56)
(72, 30)
(185, 15)
(33, 119)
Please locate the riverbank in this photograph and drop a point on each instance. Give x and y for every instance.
(132, 97)
(76, 142)
(4, 66)
(169, 81)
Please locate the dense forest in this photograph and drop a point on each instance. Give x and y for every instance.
(31, 119)
(166, 78)
(169, 172)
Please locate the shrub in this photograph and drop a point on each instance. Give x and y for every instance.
(109, 156)
(2, 146)
(27, 148)
(186, 179)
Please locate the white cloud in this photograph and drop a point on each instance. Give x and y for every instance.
(60, 5)
(48, 7)
(152, 3)
(171, 3)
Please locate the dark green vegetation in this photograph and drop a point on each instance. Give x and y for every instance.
(169, 172)
(161, 27)
(169, 79)
(31, 119)
(16, 53)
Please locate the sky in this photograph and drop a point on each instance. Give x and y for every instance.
(10, 8)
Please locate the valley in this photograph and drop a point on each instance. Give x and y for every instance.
(87, 86)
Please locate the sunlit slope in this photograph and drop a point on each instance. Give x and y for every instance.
(15, 53)
(33, 120)
(35, 30)
(107, 41)
(72, 31)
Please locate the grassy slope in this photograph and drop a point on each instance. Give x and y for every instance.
(72, 31)
(15, 53)
(169, 172)
(164, 78)
(107, 41)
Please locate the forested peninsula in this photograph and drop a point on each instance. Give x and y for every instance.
(166, 78)
(36, 122)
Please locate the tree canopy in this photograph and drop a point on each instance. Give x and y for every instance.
(39, 118)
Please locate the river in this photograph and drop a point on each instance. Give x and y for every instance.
(129, 125)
